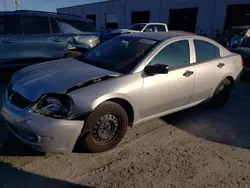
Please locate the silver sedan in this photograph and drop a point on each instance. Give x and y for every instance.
(90, 100)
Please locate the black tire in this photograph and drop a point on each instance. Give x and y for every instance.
(94, 142)
(221, 94)
(72, 54)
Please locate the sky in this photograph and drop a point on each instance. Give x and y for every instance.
(44, 5)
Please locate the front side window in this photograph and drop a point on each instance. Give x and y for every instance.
(205, 51)
(150, 28)
(75, 26)
(35, 25)
(174, 55)
(120, 54)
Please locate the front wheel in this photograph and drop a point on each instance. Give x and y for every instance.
(107, 125)
(222, 94)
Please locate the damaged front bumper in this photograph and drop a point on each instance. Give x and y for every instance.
(42, 133)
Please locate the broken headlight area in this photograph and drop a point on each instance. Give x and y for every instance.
(54, 105)
(86, 42)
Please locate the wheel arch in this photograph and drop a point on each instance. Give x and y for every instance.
(122, 100)
(227, 76)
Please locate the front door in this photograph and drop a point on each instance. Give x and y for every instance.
(170, 91)
(10, 29)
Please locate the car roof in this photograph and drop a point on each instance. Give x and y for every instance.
(43, 13)
(149, 23)
(158, 36)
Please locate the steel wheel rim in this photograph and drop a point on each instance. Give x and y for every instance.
(106, 129)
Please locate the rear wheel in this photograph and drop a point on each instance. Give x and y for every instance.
(222, 94)
(107, 125)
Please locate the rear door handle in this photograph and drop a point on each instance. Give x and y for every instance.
(188, 73)
(220, 65)
(8, 41)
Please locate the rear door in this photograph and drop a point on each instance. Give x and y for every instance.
(10, 28)
(210, 69)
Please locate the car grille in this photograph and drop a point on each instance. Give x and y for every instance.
(17, 99)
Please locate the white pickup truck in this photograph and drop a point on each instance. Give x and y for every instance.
(142, 27)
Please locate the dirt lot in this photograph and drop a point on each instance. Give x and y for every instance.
(194, 148)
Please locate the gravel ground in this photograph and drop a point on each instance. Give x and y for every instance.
(193, 148)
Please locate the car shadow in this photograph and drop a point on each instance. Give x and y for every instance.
(228, 125)
(12, 177)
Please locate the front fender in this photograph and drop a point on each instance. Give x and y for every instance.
(107, 97)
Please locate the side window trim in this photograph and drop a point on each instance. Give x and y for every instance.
(169, 43)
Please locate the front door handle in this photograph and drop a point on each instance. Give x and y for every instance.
(8, 41)
(57, 40)
(220, 65)
(188, 73)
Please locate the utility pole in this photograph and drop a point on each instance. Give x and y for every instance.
(16, 3)
(4, 1)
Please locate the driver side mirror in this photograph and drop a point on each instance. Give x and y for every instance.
(152, 70)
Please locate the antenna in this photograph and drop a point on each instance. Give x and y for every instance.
(16, 3)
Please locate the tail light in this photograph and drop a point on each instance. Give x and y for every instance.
(242, 61)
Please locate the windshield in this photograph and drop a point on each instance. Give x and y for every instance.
(121, 54)
(137, 27)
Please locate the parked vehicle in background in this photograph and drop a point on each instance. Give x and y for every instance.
(244, 50)
(132, 78)
(107, 34)
(142, 27)
(27, 37)
(233, 36)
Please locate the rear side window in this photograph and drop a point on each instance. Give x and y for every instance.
(75, 26)
(54, 26)
(205, 51)
(161, 28)
(35, 25)
(10, 25)
(174, 55)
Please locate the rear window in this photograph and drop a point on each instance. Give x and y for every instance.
(10, 25)
(35, 25)
(205, 51)
(75, 26)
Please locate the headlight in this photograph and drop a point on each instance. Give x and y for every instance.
(87, 42)
(54, 105)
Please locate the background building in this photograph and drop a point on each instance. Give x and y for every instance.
(200, 16)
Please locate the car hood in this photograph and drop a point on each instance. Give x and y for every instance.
(242, 51)
(123, 31)
(54, 77)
